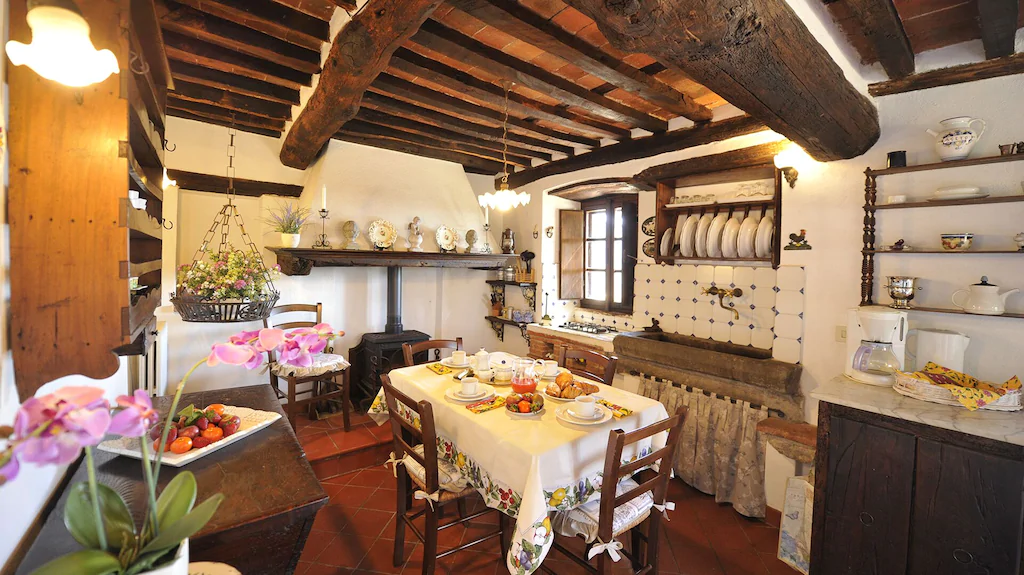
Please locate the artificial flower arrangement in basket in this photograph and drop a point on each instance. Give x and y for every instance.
(288, 220)
(231, 285)
(55, 428)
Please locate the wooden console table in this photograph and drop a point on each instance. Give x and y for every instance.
(271, 494)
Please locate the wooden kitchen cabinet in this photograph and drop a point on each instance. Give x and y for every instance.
(896, 497)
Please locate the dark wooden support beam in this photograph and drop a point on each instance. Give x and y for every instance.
(998, 20)
(394, 86)
(358, 126)
(471, 164)
(1005, 66)
(321, 9)
(642, 148)
(759, 56)
(195, 24)
(192, 51)
(513, 18)
(359, 53)
(378, 117)
(224, 99)
(404, 109)
(234, 83)
(458, 46)
(435, 72)
(270, 18)
(349, 5)
(875, 29)
(214, 111)
(760, 155)
(221, 121)
(219, 185)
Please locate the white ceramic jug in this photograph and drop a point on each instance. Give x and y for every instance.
(944, 347)
(983, 298)
(956, 138)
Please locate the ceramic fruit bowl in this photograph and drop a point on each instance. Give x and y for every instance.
(957, 242)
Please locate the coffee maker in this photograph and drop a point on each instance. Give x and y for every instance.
(876, 343)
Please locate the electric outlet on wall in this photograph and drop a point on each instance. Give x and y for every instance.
(840, 333)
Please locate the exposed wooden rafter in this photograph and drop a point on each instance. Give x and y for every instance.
(875, 29)
(224, 99)
(214, 111)
(234, 83)
(322, 9)
(270, 18)
(345, 4)
(471, 164)
(359, 53)
(217, 120)
(219, 185)
(760, 155)
(193, 51)
(405, 133)
(1005, 66)
(998, 19)
(758, 55)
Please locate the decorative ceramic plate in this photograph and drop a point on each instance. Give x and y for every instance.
(686, 236)
(649, 247)
(715, 235)
(252, 421)
(564, 413)
(382, 233)
(729, 236)
(701, 243)
(667, 243)
(679, 231)
(447, 238)
(745, 241)
(763, 243)
(648, 226)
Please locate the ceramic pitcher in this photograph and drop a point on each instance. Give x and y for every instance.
(956, 138)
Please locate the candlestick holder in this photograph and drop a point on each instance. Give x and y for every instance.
(321, 240)
(487, 239)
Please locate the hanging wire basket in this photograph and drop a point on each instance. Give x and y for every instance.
(255, 296)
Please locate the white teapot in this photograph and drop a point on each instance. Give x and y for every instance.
(956, 138)
(983, 298)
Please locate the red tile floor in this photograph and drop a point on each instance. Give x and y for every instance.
(354, 533)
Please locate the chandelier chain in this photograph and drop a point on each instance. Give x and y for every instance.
(504, 140)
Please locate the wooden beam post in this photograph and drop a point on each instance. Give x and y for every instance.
(875, 29)
(359, 53)
(998, 20)
(759, 155)
(1005, 66)
(759, 56)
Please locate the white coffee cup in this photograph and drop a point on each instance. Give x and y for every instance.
(459, 357)
(550, 368)
(503, 374)
(585, 406)
(470, 386)
(485, 374)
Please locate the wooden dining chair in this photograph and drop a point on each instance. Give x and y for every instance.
(322, 377)
(624, 504)
(411, 350)
(588, 363)
(418, 467)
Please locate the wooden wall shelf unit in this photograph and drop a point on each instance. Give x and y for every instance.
(498, 325)
(944, 252)
(529, 291)
(299, 261)
(944, 203)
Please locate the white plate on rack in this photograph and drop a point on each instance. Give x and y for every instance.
(564, 413)
(680, 221)
(763, 243)
(748, 234)
(484, 391)
(686, 236)
(730, 235)
(715, 235)
(666, 243)
(701, 236)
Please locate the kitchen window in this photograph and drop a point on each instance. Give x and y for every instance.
(609, 252)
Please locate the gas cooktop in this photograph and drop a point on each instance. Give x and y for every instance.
(587, 327)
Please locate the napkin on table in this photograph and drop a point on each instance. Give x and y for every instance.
(487, 404)
(439, 369)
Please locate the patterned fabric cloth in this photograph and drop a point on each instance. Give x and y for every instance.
(448, 476)
(322, 363)
(970, 391)
(583, 520)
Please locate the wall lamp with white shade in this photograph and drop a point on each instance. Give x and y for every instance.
(61, 49)
(791, 160)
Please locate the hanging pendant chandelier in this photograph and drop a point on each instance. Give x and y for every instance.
(225, 284)
(505, 198)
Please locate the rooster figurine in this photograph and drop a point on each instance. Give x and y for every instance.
(798, 241)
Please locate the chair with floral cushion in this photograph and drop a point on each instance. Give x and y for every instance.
(322, 377)
(422, 476)
(624, 504)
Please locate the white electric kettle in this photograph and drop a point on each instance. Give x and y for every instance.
(941, 346)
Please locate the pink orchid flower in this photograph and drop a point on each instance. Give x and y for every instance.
(292, 348)
(235, 354)
(136, 417)
(9, 468)
(54, 428)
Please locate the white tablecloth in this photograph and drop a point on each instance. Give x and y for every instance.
(525, 466)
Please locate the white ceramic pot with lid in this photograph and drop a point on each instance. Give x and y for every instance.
(983, 298)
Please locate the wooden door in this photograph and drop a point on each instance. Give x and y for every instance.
(867, 500)
(967, 512)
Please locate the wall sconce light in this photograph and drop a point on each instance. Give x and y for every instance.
(790, 161)
(61, 49)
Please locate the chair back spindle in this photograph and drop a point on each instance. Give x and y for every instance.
(409, 351)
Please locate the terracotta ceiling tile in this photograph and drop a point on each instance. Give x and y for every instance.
(639, 60)
(442, 11)
(486, 75)
(494, 38)
(635, 102)
(593, 36)
(457, 20)
(571, 72)
(572, 20)
(590, 82)
(544, 8)
(523, 51)
(548, 62)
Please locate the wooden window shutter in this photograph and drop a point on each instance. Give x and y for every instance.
(570, 254)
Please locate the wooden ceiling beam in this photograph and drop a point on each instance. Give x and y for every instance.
(185, 114)
(320, 9)
(359, 126)
(234, 83)
(348, 5)
(202, 53)
(759, 56)
(517, 20)
(1005, 66)
(270, 18)
(759, 155)
(458, 46)
(998, 20)
(675, 140)
(221, 113)
(378, 117)
(395, 86)
(224, 99)
(219, 185)
(359, 53)
(195, 24)
(875, 28)
(471, 164)
(435, 72)
(404, 109)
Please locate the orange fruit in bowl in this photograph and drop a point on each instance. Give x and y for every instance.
(218, 408)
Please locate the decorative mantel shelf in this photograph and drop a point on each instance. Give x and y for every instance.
(299, 261)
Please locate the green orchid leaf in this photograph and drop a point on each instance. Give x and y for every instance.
(176, 500)
(81, 522)
(85, 562)
(185, 527)
(147, 561)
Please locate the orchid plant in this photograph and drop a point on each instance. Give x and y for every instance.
(55, 428)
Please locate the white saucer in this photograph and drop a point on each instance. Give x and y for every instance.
(555, 399)
(447, 362)
(484, 391)
(562, 412)
(572, 413)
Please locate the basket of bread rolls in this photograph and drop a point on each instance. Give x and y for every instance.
(566, 386)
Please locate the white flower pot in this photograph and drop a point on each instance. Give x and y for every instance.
(290, 240)
(178, 567)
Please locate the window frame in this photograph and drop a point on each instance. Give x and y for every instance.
(630, 223)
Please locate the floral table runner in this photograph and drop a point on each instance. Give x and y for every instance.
(524, 466)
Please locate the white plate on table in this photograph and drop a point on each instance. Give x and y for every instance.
(253, 420)
(484, 391)
(763, 243)
(666, 243)
(564, 413)
(748, 233)
(701, 235)
(447, 362)
(532, 414)
(715, 235)
(730, 235)
(686, 236)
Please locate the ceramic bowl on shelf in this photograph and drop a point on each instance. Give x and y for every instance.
(957, 242)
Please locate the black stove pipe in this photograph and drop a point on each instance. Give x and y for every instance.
(394, 323)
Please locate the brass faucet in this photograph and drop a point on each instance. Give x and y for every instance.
(723, 293)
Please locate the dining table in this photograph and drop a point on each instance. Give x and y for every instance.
(526, 466)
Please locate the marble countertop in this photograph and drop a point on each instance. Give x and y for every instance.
(602, 340)
(998, 425)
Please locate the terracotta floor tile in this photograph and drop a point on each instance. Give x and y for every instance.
(369, 522)
(317, 541)
(379, 477)
(379, 558)
(775, 566)
(318, 446)
(326, 468)
(414, 562)
(333, 518)
(352, 495)
(728, 537)
(301, 567)
(764, 539)
(382, 499)
(358, 438)
(319, 569)
(737, 562)
(696, 560)
(346, 550)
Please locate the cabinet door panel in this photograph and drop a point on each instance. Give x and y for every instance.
(867, 500)
(967, 512)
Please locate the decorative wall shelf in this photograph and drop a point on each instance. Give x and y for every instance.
(943, 165)
(299, 261)
(960, 312)
(944, 252)
(529, 291)
(942, 203)
(498, 325)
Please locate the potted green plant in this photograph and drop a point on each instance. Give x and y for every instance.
(288, 220)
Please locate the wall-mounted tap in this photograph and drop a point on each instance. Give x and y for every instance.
(723, 293)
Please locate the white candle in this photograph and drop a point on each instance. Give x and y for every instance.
(487, 215)
(323, 198)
